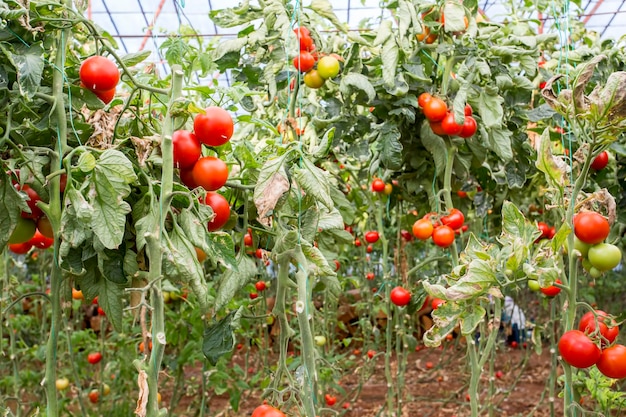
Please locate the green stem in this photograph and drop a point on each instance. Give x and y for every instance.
(155, 253)
(282, 283)
(447, 186)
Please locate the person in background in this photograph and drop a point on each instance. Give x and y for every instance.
(515, 321)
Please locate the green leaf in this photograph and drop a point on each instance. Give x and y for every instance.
(76, 218)
(321, 149)
(232, 281)
(500, 141)
(515, 224)
(543, 112)
(435, 145)
(228, 18)
(110, 295)
(554, 168)
(454, 12)
(318, 265)
(111, 265)
(11, 14)
(149, 220)
(354, 81)
(29, 62)
(325, 9)
(472, 316)
(222, 249)
(389, 56)
(384, 32)
(135, 58)
(219, 338)
(330, 219)
(389, 146)
(11, 205)
(228, 46)
(314, 181)
(347, 209)
(86, 162)
(490, 108)
(180, 263)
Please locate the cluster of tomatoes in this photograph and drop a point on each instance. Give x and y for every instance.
(441, 229)
(442, 120)
(99, 75)
(591, 229)
(315, 75)
(591, 344)
(214, 127)
(547, 231)
(379, 186)
(33, 228)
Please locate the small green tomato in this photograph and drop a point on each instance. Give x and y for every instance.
(533, 284)
(320, 340)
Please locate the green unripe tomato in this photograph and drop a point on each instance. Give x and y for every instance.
(604, 256)
(533, 284)
(313, 79)
(328, 67)
(23, 232)
(581, 247)
(594, 272)
(320, 340)
(586, 265)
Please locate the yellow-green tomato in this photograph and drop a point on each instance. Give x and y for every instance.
(106, 389)
(62, 383)
(167, 298)
(320, 340)
(604, 256)
(533, 284)
(312, 79)
(328, 67)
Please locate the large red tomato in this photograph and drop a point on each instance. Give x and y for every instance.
(612, 362)
(187, 148)
(469, 126)
(266, 410)
(304, 62)
(372, 237)
(435, 109)
(400, 297)
(220, 207)
(578, 350)
(600, 161)
(449, 125)
(99, 73)
(455, 219)
(40, 241)
(215, 127)
(587, 325)
(20, 248)
(443, 236)
(106, 96)
(186, 177)
(210, 172)
(591, 227)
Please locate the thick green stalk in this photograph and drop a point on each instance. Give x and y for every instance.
(154, 249)
(447, 186)
(53, 211)
(282, 283)
(304, 310)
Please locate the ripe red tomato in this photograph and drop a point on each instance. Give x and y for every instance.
(330, 400)
(214, 127)
(514, 344)
(369, 249)
(186, 177)
(259, 253)
(210, 172)
(370, 276)
(94, 396)
(552, 290)
(40, 241)
(23, 232)
(260, 286)
(406, 235)
(461, 194)
(435, 109)
(253, 295)
(94, 357)
(337, 265)
(357, 242)
(33, 198)
(400, 297)
(345, 406)
(371, 353)
(578, 350)
(544, 228)
(468, 110)
(436, 302)
(266, 410)
(44, 226)
(591, 227)
(423, 99)
(587, 325)
(187, 148)
(449, 125)
(612, 362)
(443, 236)
(372, 237)
(437, 128)
(469, 127)
(423, 229)
(99, 73)
(499, 374)
(221, 209)
(600, 161)
(454, 220)
(106, 96)
(304, 62)
(20, 248)
(305, 40)
(378, 185)
(247, 239)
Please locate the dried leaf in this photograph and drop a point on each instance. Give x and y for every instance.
(276, 187)
(142, 401)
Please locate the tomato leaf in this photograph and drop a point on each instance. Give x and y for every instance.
(231, 45)
(314, 181)
(490, 108)
(12, 14)
(318, 265)
(219, 338)
(389, 56)
(76, 219)
(555, 169)
(111, 265)
(471, 317)
(227, 18)
(270, 187)
(110, 295)
(500, 141)
(222, 249)
(389, 146)
(445, 319)
(180, 263)
(29, 64)
(435, 145)
(454, 13)
(146, 220)
(11, 204)
(135, 58)
(354, 81)
(232, 281)
(325, 9)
